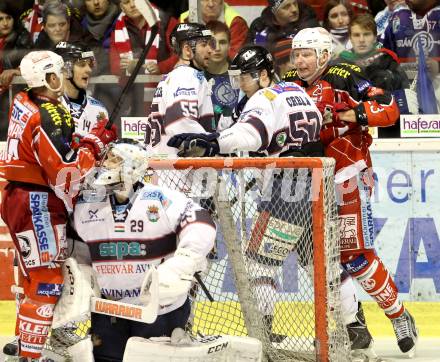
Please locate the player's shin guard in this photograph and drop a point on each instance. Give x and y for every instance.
(35, 314)
(375, 279)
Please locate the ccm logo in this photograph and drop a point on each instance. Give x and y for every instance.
(218, 348)
(45, 311)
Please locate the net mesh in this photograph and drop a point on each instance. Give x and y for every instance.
(263, 267)
(274, 273)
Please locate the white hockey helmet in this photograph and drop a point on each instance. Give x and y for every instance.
(318, 39)
(123, 165)
(37, 64)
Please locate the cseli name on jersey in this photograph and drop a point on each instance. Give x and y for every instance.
(297, 101)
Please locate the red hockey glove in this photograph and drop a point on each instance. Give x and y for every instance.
(105, 135)
(94, 144)
(330, 111)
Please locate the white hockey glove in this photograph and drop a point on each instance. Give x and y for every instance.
(80, 285)
(176, 274)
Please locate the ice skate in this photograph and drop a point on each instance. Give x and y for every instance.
(406, 333)
(274, 337)
(360, 338)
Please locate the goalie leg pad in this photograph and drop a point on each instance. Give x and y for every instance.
(80, 285)
(113, 333)
(82, 351)
(210, 348)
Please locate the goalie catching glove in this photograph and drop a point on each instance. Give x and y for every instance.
(176, 274)
(195, 144)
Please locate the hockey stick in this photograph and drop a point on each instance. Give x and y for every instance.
(140, 313)
(149, 15)
(203, 286)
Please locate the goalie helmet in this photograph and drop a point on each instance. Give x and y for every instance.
(123, 165)
(250, 59)
(190, 32)
(72, 53)
(36, 65)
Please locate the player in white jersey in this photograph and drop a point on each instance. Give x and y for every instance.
(131, 227)
(276, 120)
(182, 100)
(79, 63)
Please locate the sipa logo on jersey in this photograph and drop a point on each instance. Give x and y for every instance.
(122, 249)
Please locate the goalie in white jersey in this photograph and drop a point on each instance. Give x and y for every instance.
(79, 62)
(131, 227)
(182, 100)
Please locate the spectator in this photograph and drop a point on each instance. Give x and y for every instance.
(382, 18)
(337, 16)
(211, 10)
(380, 65)
(14, 44)
(223, 96)
(129, 37)
(281, 19)
(281, 55)
(32, 19)
(375, 6)
(406, 25)
(98, 22)
(59, 24)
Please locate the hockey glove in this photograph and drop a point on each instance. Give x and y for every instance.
(195, 144)
(176, 274)
(104, 134)
(98, 138)
(330, 111)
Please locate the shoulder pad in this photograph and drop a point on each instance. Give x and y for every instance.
(55, 115)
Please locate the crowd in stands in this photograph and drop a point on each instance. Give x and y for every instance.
(381, 37)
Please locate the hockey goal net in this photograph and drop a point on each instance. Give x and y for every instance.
(274, 273)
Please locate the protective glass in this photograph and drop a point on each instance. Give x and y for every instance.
(239, 79)
(209, 40)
